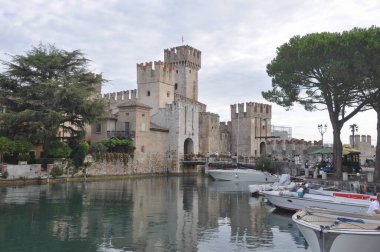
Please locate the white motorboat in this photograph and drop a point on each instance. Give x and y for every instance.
(338, 201)
(284, 183)
(327, 231)
(251, 175)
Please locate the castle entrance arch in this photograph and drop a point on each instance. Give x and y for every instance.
(188, 146)
(262, 149)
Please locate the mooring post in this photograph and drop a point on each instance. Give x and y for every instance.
(206, 165)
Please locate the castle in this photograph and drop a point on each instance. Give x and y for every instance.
(164, 117)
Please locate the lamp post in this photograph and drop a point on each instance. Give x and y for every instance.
(353, 128)
(322, 129)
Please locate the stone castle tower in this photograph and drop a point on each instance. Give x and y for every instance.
(186, 62)
(251, 126)
(165, 119)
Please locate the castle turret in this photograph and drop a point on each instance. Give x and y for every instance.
(186, 62)
(251, 125)
(155, 83)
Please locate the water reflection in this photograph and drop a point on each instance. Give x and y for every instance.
(151, 214)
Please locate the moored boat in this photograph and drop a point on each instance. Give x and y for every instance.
(338, 201)
(284, 183)
(252, 175)
(327, 231)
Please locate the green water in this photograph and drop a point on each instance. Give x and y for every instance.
(150, 214)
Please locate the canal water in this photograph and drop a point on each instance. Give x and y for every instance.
(149, 214)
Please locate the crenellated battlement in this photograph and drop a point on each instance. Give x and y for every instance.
(154, 71)
(250, 110)
(184, 55)
(181, 98)
(214, 117)
(359, 139)
(121, 96)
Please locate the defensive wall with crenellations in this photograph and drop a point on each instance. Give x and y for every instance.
(184, 55)
(155, 71)
(251, 109)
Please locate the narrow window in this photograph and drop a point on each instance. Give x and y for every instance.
(168, 94)
(176, 71)
(148, 93)
(98, 128)
(175, 86)
(126, 126)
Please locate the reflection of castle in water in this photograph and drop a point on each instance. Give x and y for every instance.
(150, 214)
(229, 211)
(283, 221)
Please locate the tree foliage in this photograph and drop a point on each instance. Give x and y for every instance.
(6, 146)
(18, 148)
(265, 163)
(47, 90)
(368, 41)
(58, 149)
(118, 145)
(319, 71)
(79, 153)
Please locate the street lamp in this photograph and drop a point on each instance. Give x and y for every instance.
(322, 129)
(353, 128)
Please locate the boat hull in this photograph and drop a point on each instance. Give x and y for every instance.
(243, 175)
(339, 242)
(325, 234)
(291, 201)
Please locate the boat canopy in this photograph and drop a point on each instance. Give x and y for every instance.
(329, 150)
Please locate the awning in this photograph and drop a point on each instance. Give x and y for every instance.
(329, 150)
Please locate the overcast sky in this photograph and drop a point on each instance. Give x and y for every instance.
(237, 39)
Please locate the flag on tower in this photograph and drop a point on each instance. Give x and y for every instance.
(182, 39)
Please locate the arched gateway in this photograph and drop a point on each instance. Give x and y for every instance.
(262, 149)
(188, 146)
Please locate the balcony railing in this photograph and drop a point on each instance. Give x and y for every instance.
(121, 134)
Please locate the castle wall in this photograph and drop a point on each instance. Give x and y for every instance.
(182, 119)
(209, 138)
(364, 145)
(253, 120)
(105, 125)
(286, 149)
(116, 98)
(225, 130)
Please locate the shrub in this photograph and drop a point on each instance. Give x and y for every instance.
(24, 157)
(58, 150)
(265, 163)
(98, 147)
(118, 145)
(56, 171)
(45, 161)
(5, 174)
(79, 154)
